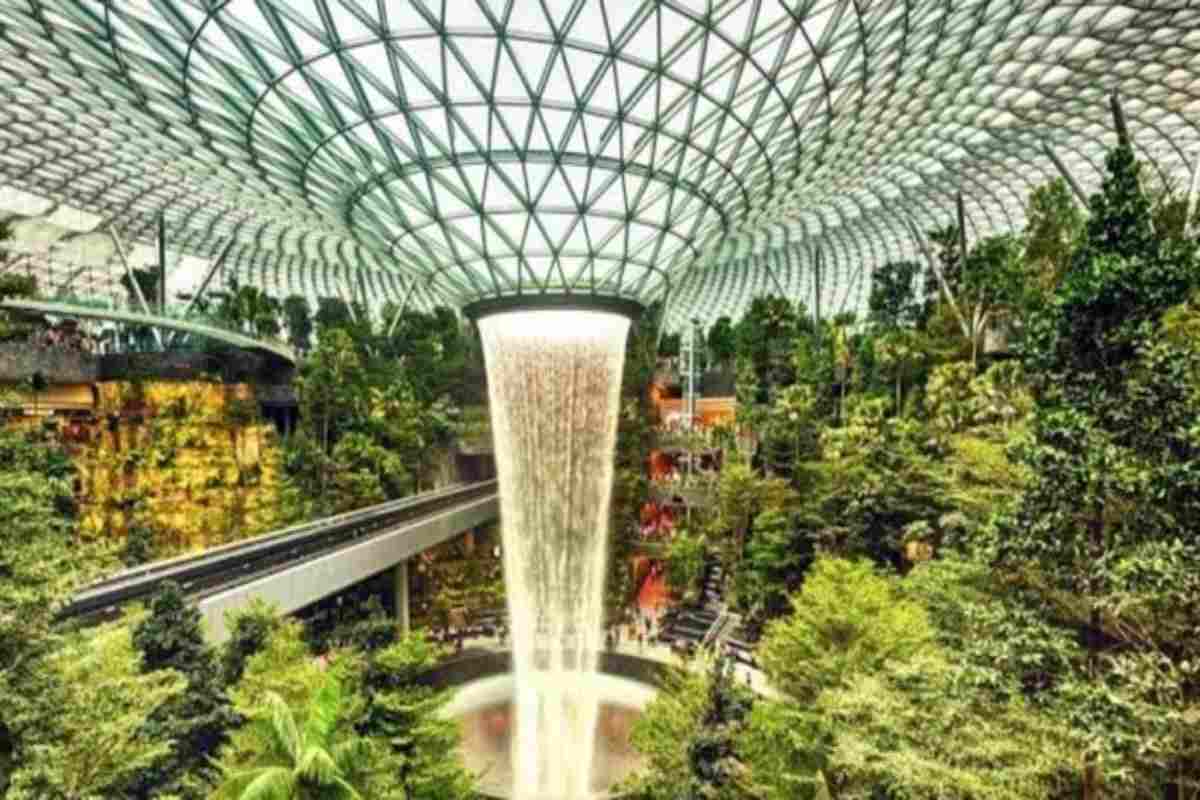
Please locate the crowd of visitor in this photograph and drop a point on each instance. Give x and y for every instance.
(66, 335)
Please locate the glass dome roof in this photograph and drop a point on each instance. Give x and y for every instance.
(701, 151)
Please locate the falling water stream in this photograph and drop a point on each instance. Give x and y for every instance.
(554, 379)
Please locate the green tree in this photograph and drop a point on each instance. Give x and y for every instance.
(994, 629)
(751, 410)
(684, 561)
(718, 772)
(15, 324)
(917, 729)
(722, 341)
(332, 312)
(200, 718)
(7, 235)
(846, 620)
(631, 488)
(878, 476)
(95, 734)
(250, 629)
(670, 345)
(306, 760)
(641, 357)
(900, 352)
(947, 246)
(870, 702)
(372, 426)
(689, 735)
(433, 350)
(332, 387)
(636, 423)
(284, 665)
(297, 315)
(893, 301)
(1054, 223)
(408, 717)
(790, 432)
(361, 471)
(987, 282)
(949, 395)
(737, 494)
(1112, 449)
(285, 668)
(764, 338)
(43, 561)
(993, 283)
(777, 556)
(668, 723)
(248, 309)
(140, 544)
(740, 496)
(411, 427)
(815, 361)
(844, 354)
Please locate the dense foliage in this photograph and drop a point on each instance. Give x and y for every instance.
(42, 560)
(348, 721)
(141, 707)
(966, 533)
(199, 719)
(375, 409)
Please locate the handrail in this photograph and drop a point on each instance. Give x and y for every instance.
(717, 628)
(197, 324)
(235, 561)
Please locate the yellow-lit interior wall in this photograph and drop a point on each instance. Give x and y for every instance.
(192, 460)
(63, 397)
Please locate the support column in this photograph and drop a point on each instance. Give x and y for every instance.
(400, 587)
(162, 264)
(1080, 195)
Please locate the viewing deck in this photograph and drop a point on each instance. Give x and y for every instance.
(191, 324)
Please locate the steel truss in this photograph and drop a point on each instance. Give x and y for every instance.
(483, 148)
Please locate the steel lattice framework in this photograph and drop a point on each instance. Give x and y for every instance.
(432, 151)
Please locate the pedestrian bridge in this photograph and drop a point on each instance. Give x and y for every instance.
(181, 324)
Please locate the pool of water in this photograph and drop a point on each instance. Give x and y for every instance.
(484, 710)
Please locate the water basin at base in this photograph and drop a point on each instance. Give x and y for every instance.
(484, 711)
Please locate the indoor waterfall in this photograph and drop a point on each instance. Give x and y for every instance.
(554, 379)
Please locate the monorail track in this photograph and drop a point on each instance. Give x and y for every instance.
(230, 565)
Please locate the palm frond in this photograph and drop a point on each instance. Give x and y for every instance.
(348, 753)
(283, 728)
(234, 784)
(323, 713)
(345, 790)
(272, 783)
(317, 767)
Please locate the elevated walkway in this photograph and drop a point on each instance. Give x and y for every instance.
(295, 567)
(181, 324)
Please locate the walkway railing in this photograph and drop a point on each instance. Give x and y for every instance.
(171, 318)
